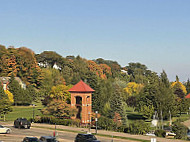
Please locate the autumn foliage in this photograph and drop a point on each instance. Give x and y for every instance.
(20, 62)
(100, 69)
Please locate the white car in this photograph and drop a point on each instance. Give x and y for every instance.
(4, 130)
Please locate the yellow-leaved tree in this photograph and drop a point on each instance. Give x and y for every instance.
(10, 96)
(178, 85)
(60, 92)
(133, 88)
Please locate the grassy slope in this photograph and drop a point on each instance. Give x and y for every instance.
(24, 111)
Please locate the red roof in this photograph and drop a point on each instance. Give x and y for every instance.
(188, 96)
(81, 87)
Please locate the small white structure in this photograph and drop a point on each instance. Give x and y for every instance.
(55, 66)
(124, 71)
(153, 139)
(154, 122)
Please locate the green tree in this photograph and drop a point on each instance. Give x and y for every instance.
(60, 109)
(5, 104)
(164, 79)
(60, 92)
(180, 130)
(49, 58)
(21, 96)
(116, 101)
(187, 85)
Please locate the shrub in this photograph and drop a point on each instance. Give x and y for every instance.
(106, 123)
(53, 120)
(180, 130)
(138, 127)
(160, 133)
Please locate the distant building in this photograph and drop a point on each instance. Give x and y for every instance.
(188, 96)
(124, 71)
(44, 65)
(5, 81)
(55, 66)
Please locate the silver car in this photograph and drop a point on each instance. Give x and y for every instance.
(4, 130)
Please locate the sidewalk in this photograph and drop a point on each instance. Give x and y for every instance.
(105, 132)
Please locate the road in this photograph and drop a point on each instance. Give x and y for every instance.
(17, 135)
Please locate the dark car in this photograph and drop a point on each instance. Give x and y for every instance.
(86, 138)
(22, 123)
(47, 139)
(30, 139)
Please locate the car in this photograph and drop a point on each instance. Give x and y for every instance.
(4, 130)
(86, 138)
(22, 123)
(47, 139)
(30, 139)
(150, 134)
(188, 135)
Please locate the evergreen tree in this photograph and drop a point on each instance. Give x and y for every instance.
(21, 96)
(116, 101)
(188, 86)
(164, 79)
(5, 105)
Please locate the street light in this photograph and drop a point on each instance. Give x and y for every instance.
(33, 112)
(96, 119)
(88, 113)
(89, 122)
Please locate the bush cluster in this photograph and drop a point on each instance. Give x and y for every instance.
(53, 120)
(160, 133)
(180, 130)
(138, 127)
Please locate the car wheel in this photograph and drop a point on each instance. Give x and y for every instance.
(28, 127)
(8, 131)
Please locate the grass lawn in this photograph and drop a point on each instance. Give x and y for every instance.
(133, 115)
(182, 117)
(24, 111)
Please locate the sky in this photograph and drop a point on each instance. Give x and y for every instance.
(153, 32)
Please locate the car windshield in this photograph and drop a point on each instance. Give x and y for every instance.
(23, 119)
(90, 137)
(51, 140)
(33, 140)
(1, 126)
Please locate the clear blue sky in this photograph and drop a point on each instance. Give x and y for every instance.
(153, 32)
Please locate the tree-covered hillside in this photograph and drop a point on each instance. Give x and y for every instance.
(49, 76)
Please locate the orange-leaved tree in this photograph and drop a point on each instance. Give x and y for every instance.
(59, 109)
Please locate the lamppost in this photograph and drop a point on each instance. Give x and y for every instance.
(88, 113)
(89, 121)
(33, 112)
(96, 119)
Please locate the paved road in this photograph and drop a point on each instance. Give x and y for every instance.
(17, 135)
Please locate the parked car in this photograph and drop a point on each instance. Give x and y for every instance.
(4, 130)
(150, 134)
(47, 139)
(22, 123)
(188, 135)
(30, 139)
(86, 138)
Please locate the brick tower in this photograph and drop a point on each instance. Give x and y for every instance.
(81, 98)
